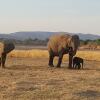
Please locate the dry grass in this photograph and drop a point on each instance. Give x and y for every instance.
(88, 55)
(29, 53)
(28, 77)
(31, 79)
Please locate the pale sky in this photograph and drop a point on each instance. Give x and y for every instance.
(82, 16)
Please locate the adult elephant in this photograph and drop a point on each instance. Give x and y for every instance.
(5, 48)
(59, 45)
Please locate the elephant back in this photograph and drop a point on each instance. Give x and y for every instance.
(57, 42)
(8, 47)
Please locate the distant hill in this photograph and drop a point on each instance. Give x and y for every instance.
(88, 36)
(44, 35)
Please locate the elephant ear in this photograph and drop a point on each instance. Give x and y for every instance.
(74, 43)
(8, 46)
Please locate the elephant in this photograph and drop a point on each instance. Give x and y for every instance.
(5, 48)
(61, 44)
(77, 62)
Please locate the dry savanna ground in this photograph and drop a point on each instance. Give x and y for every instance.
(28, 77)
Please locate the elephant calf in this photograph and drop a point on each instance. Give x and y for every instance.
(5, 48)
(77, 62)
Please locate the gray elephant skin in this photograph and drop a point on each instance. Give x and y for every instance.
(5, 48)
(60, 44)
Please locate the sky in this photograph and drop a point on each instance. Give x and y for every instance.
(78, 16)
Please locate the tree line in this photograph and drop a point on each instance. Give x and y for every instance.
(37, 42)
(88, 41)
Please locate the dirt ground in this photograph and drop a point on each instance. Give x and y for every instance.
(32, 79)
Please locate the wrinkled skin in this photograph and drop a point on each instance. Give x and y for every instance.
(59, 45)
(77, 62)
(5, 48)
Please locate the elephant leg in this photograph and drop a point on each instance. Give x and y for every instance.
(79, 66)
(73, 65)
(70, 61)
(59, 60)
(3, 60)
(51, 61)
(0, 61)
(82, 65)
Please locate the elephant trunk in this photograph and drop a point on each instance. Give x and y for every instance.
(74, 52)
(70, 61)
(75, 44)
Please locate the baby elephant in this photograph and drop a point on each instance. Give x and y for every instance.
(77, 62)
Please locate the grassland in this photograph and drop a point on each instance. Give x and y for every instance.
(87, 55)
(28, 77)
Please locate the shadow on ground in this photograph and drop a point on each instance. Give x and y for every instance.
(89, 94)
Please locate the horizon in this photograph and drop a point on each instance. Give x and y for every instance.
(52, 32)
(54, 16)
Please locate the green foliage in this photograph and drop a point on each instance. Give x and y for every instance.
(97, 41)
(86, 42)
